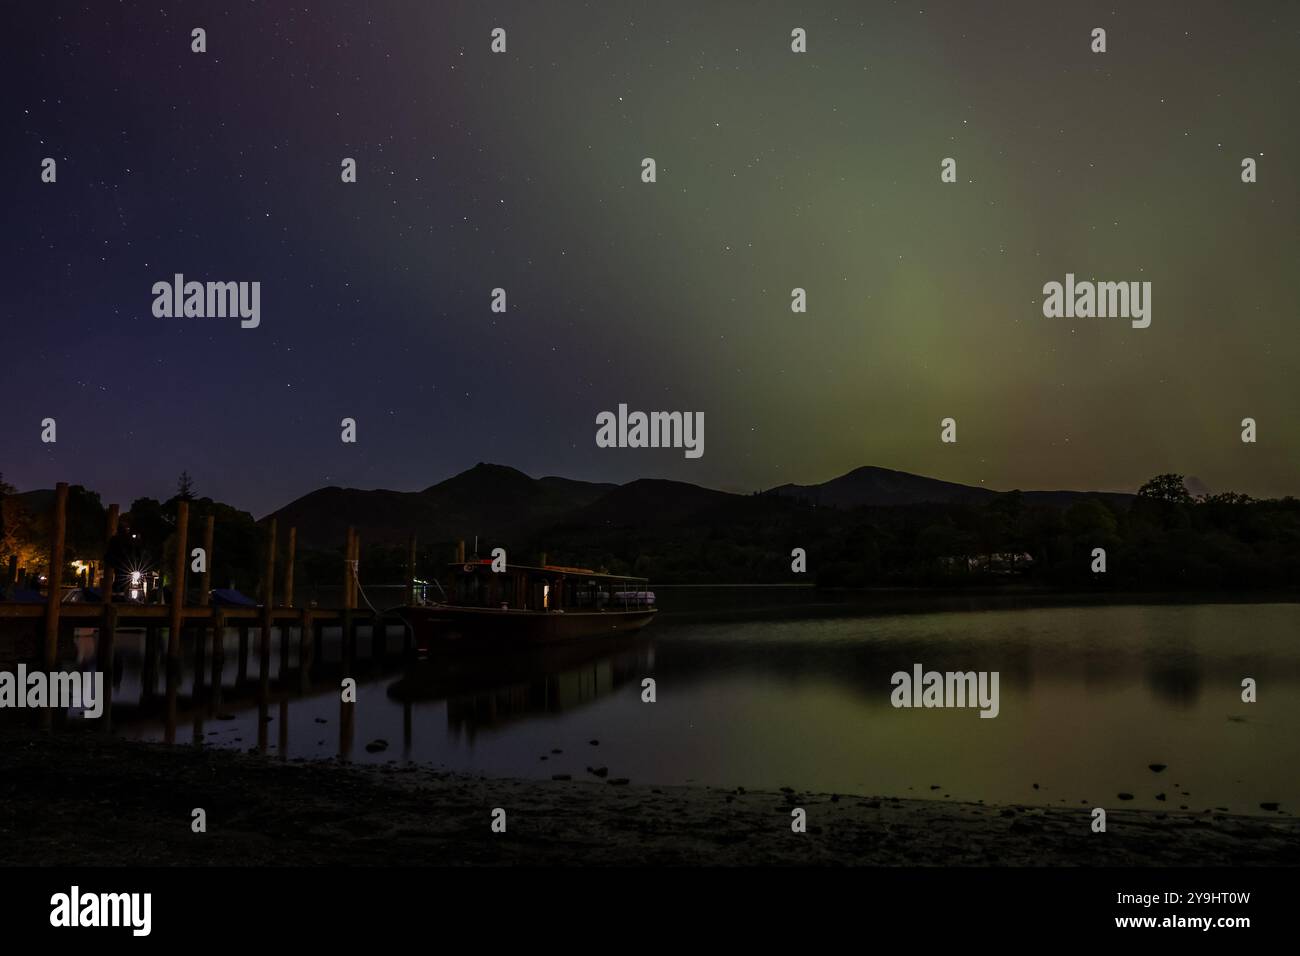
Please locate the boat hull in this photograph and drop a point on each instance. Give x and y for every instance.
(446, 625)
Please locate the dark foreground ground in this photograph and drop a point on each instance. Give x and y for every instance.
(80, 799)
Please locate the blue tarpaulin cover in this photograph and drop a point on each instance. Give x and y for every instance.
(229, 597)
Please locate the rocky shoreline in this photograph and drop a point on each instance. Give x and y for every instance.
(77, 798)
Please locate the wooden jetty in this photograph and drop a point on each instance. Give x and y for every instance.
(55, 620)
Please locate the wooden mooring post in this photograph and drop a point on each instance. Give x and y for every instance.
(288, 602)
(205, 595)
(218, 655)
(268, 611)
(178, 583)
(176, 618)
(349, 601)
(108, 625)
(205, 579)
(54, 598)
(288, 567)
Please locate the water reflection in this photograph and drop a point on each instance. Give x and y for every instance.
(1091, 697)
(492, 691)
(479, 691)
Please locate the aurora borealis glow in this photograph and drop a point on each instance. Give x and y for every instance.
(775, 170)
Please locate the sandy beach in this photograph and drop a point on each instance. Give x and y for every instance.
(77, 798)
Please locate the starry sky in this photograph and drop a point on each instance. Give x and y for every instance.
(522, 170)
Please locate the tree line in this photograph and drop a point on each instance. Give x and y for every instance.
(1163, 539)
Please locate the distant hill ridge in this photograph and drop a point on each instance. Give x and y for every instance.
(870, 485)
(502, 503)
(489, 500)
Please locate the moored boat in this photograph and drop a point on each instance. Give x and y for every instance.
(529, 605)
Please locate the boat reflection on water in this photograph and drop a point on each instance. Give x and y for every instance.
(493, 689)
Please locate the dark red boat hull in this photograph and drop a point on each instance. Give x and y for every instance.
(447, 625)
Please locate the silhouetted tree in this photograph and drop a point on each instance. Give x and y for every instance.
(6, 489)
(1167, 487)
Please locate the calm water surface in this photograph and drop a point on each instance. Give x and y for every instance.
(1090, 697)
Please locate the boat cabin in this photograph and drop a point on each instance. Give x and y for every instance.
(546, 588)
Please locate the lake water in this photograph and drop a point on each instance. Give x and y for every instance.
(799, 696)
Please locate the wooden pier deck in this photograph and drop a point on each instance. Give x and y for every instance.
(54, 621)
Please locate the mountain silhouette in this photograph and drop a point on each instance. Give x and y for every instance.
(504, 504)
(651, 501)
(883, 487)
(491, 501)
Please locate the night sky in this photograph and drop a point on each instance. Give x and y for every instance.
(522, 170)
